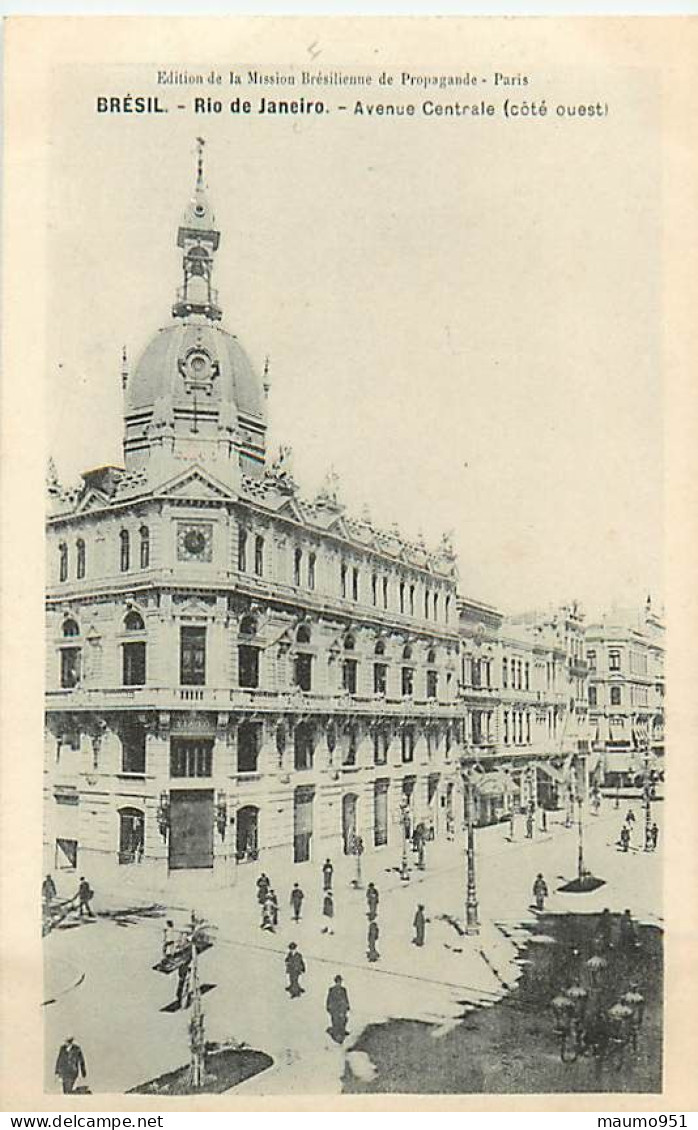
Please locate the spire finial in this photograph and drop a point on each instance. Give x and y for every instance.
(200, 142)
(124, 367)
(266, 384)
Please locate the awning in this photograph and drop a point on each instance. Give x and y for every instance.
(497, 783)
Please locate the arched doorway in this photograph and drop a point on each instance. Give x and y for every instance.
(349, 801)
(131, 835)
(247, 834)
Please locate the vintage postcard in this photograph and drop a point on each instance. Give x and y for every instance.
(345, 406)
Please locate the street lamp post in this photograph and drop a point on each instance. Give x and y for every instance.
(472, 921)
(404, 819)
(647, 798)
(581, 869)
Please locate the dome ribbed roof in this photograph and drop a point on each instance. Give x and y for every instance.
(158, 373)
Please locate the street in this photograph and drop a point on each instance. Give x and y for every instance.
(398, 1003)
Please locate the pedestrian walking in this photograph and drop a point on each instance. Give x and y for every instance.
(274, 907)
(295, 966)
(337, 1004)
(48, 890)
(420, 926)
(372, 942)
(267, 922)
(624, 837)
(84, 896)
(169, 938)
(630, 818)
(654, 836)
(540, 891)
(262, 889)
(69, 1064)
(543, 820)
(372, 900)
(297, 897)
(328, 913)
(327, 872)
(512, 824)
(529, 826)
(628, 933)
(184, 984)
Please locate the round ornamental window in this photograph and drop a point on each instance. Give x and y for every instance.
(194, 541)
(198, 363)
(199, 209)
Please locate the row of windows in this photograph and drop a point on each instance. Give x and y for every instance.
(193, 757)
(616, 696)
(124, 554)
(515, 733)
(520, 674)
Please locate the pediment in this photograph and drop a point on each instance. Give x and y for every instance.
(291, 509)
(195, 484)
(92, 500)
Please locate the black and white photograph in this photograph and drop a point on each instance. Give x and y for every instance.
(354, 768)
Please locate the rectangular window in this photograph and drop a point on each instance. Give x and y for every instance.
(343, 580)
(432, 684)
(374, 588)
(192, 657)
(133, 739)
(593, 696)
(615, 696)
(242, 550)
(527, 676)
(355, 583)
(303, 746)
(385, 592)
(259, 555)
(528, 728)
(402, 596)
(407, 681)
(426, 604)
(134, 665)
(302, 824)
(436, 605)
(70, 666)
(477, 673)
(191, 757)
(311, 571)
(411, 600)
(614, 661)
(506, 727)
(380, 813)
(249, 734)
(407, 743)
(381, 742)
(248, 666)
(349, 669)
(380, 678)
(477, 727)
(303, 671)
(505, 674)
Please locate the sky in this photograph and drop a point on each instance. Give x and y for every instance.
(462, 316)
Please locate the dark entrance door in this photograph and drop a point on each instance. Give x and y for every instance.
(348, 822)
(191, 828)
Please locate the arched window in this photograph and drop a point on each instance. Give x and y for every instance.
(311, 571)
(349, 643)
(80, 562)
(133, 660)
(431, 656)
(297, 559)
(71, 628)
(248, 626)
(125, 552)
(407, 652)
(133, 622)
(242, 549)
(145, 547)
(131, 835)
(303, 634)
(63, 562)
(380, 647)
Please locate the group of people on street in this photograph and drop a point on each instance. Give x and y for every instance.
(80, 901)
(626, 833)
(337, 1002)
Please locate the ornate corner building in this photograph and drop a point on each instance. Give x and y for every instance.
(234, 671)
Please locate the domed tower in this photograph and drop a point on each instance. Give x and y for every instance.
(194, 396)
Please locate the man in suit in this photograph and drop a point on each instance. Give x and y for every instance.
(69, 1064)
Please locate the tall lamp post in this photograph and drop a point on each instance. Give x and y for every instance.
(405, 821)
(647, 798)
(472, 921)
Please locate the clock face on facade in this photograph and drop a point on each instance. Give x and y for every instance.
(194, 542)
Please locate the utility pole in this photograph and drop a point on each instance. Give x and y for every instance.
(197, 1036)
(404, 819)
